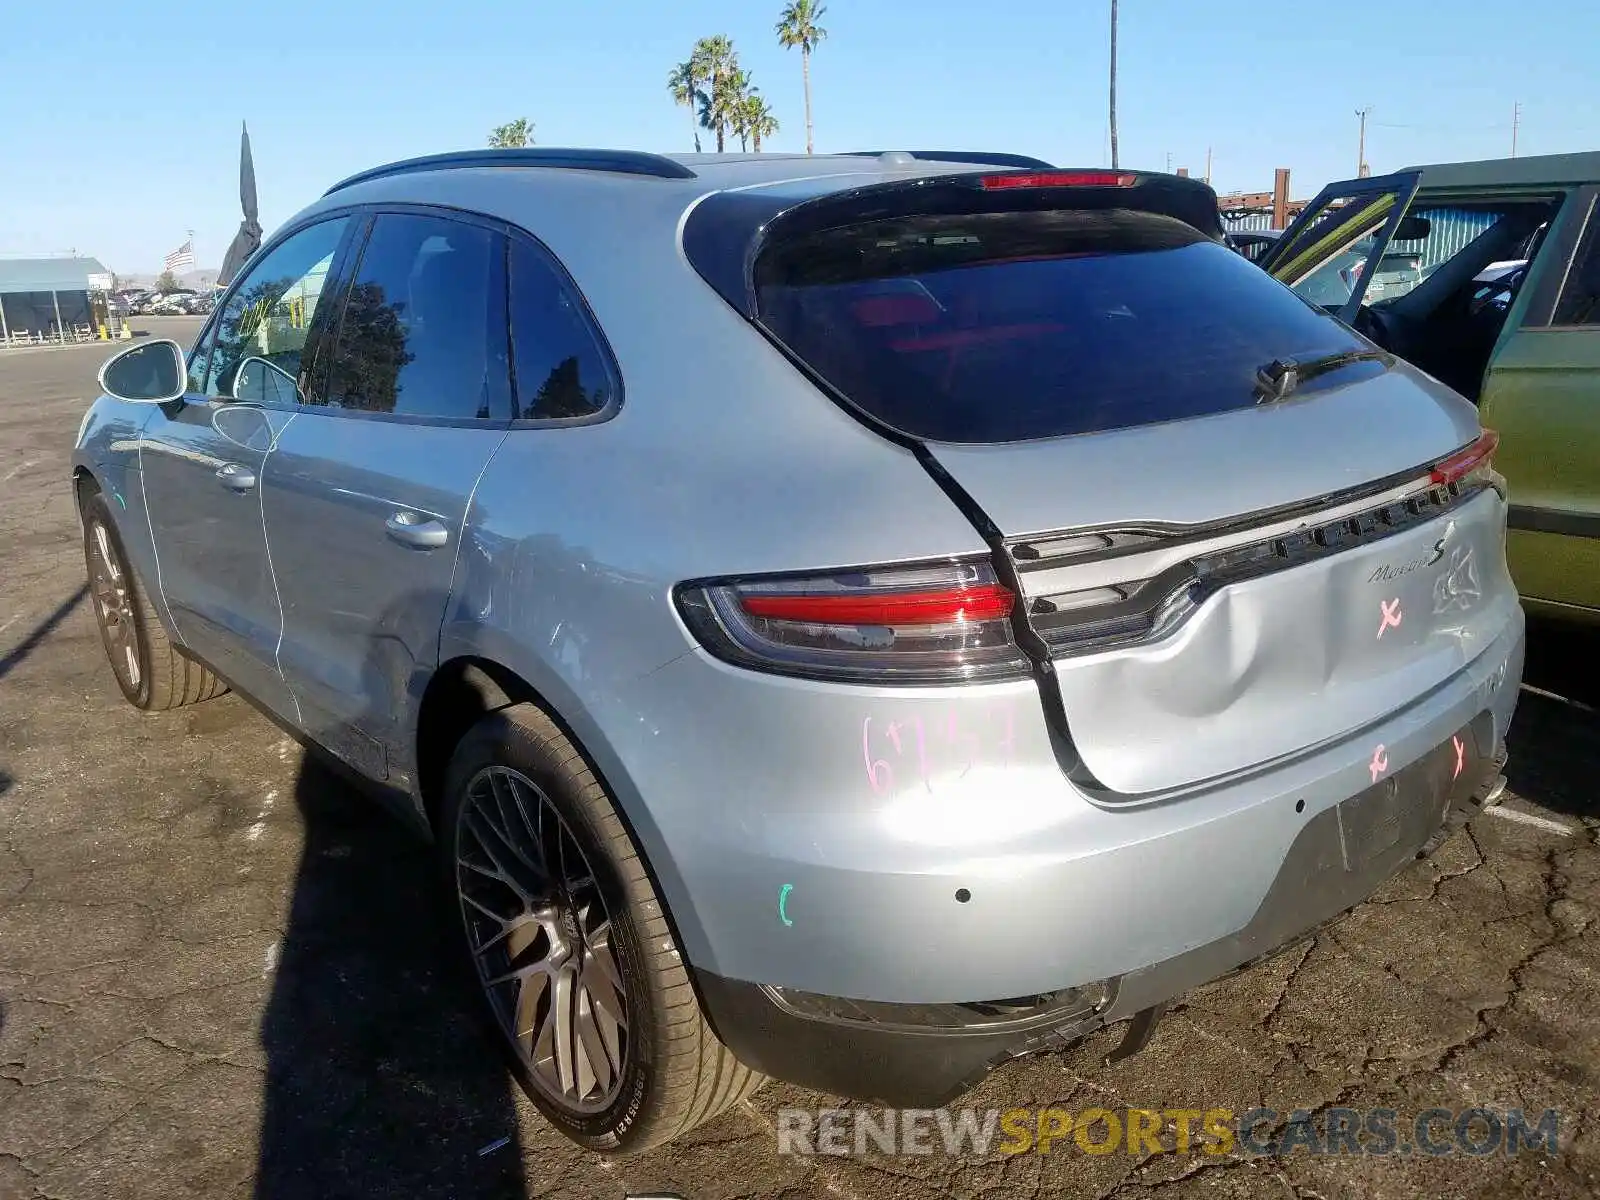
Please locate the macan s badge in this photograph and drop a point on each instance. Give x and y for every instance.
(1388, 571)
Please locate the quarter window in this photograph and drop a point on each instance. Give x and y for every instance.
(261, 333)
(423, 333)
(199, 359)
(561, 369)
(1580, 298)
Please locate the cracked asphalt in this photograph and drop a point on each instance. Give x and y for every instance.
(221, 969)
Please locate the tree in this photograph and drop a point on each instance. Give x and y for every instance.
(737, 90)
(1113, 83)
(718, 63)
(684, 84)
(797, 26)
(756, 119)
(514, 134)
(166, 282)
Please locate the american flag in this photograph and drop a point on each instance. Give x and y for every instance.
(183, 256)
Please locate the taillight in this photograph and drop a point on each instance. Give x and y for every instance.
(935, 623)
(1054, 179)
(1474, 462)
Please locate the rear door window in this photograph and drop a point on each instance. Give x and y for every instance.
(423, 332)
(1580, 297)
(1016, 326)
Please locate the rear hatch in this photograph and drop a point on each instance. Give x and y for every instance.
(1219, 503)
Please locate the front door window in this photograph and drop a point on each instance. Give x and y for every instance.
(262, 331)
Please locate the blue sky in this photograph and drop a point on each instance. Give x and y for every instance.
(121, 131)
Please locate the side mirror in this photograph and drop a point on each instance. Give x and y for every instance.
(151, 373)
(1412, 229)
(263, 381)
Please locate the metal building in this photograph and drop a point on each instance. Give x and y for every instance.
(48, 299)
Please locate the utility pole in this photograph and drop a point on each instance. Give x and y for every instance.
(1361, 144)
(1516, 120)
(1113, 84)
(1208, 166)
(1169, 162)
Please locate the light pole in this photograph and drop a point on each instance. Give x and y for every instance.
(1113, 84)
(1361, 144)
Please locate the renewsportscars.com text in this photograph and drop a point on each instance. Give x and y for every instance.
(1141, 1131)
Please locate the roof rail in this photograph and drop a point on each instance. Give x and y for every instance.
(618, 162)
(996, 159)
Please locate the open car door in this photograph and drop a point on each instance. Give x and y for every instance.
(1331, 250)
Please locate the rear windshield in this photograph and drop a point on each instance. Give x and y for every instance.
(1017, 326)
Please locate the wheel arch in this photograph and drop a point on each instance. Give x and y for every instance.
(458, 695)
(467, 686)
(84, 485)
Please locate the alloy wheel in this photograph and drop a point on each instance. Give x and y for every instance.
(113, 601)
(541, 939)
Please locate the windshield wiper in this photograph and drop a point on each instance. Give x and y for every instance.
(1281, 376)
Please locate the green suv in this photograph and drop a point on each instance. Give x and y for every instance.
(1506, 311)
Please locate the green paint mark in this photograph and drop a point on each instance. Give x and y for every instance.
(783, 901)
(120, 500)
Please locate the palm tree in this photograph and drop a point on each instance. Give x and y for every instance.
(797, 26)
(684, 84)
(513, 133)
(737, 90)
(758, 119)
(739, 122)
(718, 63)
(1113, 84)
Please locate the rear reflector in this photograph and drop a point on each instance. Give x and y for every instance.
(936, 623)
(1465, 461)
(1056, 179)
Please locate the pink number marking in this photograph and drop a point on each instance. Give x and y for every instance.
(966, 741)
(879, 773)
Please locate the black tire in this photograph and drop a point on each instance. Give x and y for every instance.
(673, 1073)
(152, 673)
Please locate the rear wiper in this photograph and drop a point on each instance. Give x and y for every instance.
(1281, 376)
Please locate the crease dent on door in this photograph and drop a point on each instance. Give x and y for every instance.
(155, 549)
(277, 592)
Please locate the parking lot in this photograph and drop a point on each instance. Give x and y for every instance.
(222, 972)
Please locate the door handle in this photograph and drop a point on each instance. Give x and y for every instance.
(235, 477)
(409, 529)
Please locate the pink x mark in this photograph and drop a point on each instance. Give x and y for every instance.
(1379, 763)
(1391, 615)
(1461, 756)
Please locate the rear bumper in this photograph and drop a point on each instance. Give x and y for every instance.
(1340, 856)
(923, 846)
